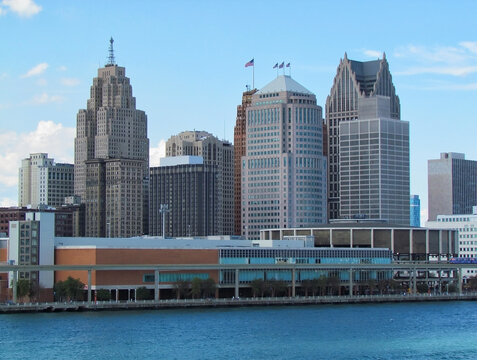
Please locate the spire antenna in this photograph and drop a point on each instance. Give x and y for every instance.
(111, 61)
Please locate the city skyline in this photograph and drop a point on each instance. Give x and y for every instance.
(184, 53)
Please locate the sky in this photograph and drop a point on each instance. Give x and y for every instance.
(186, 63)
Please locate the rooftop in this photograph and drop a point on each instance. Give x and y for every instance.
(284, 83)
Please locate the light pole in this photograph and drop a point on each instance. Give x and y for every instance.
(163, 210)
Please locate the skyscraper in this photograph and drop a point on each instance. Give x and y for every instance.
(374, 164)
(415, 214)
(452, 185)
(188, 188)
(214, 152)
(112, 156)
(354, 80)
(44, 182)
(239, 151)
(284, 170)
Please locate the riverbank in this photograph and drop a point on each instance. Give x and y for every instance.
(211, 303)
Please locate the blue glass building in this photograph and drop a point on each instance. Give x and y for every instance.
(415, 218)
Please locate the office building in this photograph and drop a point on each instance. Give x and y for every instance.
(284, 170)
(42, 182)
(354, 80)
(217, 153)
(239, 151)
(452, 185)
(188, 188)
(415, 214)
(112, 156)
(466, 227)
(374, 164)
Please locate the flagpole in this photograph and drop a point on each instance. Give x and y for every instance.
(253, 74)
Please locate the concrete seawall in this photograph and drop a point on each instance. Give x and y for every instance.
(211, 303)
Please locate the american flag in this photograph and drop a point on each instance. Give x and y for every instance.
(250, 63)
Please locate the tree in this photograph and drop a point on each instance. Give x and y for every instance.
(103, 295)
(277, 287)
(307, 285)
(321, 284)
(371, 286)
(142, 293)
(258, 287)
(69, 289)
(208, 287)
(181, 288)
(472, 283)
(196, 287)
(24, 288)
(334, 284)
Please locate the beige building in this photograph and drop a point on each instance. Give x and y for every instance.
(42, 182)
(214, 152)
(112, 156)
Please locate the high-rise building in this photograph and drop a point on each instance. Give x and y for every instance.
(374, 164)
(112, 156)
(284, 170)
(353, 80)
(415, 215)
(452, 185)
(239, 151)
(42, 182)
(214, 152)
(188, 189)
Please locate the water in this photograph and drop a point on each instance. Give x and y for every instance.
(446, 330)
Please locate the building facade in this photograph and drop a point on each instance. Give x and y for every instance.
(374, 164)
(284, 170)
(239, 151)
(354, 80)
(415, 211)
(217, 153)
(112, 156)
(452, 185)
(466, 227)
(188, 188)
(42, 182)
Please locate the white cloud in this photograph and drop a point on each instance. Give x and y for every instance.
(70, 81)
(48, 137)
(373, 53)
(8, 202)
(62, 68)
(45, 99)
(23, 8)
(442, 70)
(155, 153)
(469, 45)
(36, 70)
(42, 82)
(2, 11)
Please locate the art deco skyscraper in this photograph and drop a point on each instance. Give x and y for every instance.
(112, 156)
(354, 80)
(284, 170)
(239, 151)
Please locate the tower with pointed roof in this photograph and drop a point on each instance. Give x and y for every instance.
(283, 170)
(364, 91)
(112, 156)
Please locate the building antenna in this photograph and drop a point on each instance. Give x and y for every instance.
(111, 61)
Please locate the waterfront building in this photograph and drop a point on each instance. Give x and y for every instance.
(406, 243)
(284, 170)
(355, 81)
(42, 182)
(452, 185)
(466, 226)
(374, 164)
(188, 188)
(112, 156)
(240, 137)
(415, 211)
(217, 153)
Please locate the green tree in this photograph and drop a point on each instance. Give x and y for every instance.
(208, 287)
(69, 289)
(472, 283)
(24, 288)
(371, 286)
(334, 284)
(258, 287)
(307, 285)
(277, 287)
(103, 295)
(422, 288)
(181, 288)
(321, 283)
(142, 293)
(196, 287)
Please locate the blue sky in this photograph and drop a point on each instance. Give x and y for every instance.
(186, 64)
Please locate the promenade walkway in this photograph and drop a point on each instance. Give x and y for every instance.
(210, 303)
